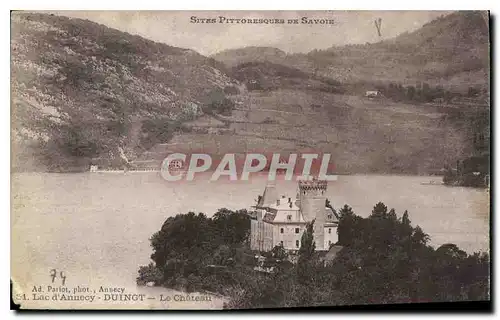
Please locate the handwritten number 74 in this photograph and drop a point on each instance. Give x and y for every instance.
(53, 275)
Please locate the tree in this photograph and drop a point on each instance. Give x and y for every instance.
(307, 244)
(232, 226)
(149, 273)
(410, 93)
(279, 253)
(217, 102)
(379, 210)
(426, 92)
(346, 211)
(196, 240)
(306, 254)
(473, 92)
(222, 255)
(328, 204)
(419, 237)
(406, 220)
(348, 222)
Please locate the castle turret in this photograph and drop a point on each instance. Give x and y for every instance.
(312, 199)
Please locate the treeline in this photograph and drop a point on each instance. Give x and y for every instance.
(419, 93)
(74, 144)
(423, 92)
(193, 252)
(384, 259)
(473, 171)
(216, 101)
(159, 130)
(267, 76)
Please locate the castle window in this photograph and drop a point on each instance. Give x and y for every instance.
(297, 243)
(329, 216)
(281, 243)
(329, 230)
(329, 243)
(297, 230)
(281, 230)
(289, 217)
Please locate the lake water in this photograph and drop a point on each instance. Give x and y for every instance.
(96, 226)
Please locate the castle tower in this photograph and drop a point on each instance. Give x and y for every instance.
(312, 198)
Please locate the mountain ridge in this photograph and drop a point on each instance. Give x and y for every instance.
(81, 90)
(443, 51)
(83, 93)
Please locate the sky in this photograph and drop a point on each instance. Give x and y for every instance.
(176, 28)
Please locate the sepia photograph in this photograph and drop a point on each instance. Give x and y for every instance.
(250, 160)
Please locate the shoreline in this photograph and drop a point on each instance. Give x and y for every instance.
(211, 172)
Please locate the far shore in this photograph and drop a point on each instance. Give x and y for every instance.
(119, 170)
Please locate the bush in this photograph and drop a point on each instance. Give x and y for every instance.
(149, 273)
(217, 103)
(158, 131)
(231, 90)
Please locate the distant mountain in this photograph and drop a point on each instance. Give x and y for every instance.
(234, 57)
(444, 49)
(81, 90)
(452, 50)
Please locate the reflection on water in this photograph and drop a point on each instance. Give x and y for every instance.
(96, 227)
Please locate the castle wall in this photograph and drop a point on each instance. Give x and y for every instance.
(319, 231)
(289, 236)
(330, 235)
(287, 216)
(312, 204)
(261, 235)
(285, 219)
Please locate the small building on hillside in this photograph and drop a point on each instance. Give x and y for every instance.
(282, 220)
(373, 94)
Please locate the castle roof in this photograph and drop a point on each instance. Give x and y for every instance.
(330, 213)
(273, 204)
(270, 216)
(269, 197)
(285, 203)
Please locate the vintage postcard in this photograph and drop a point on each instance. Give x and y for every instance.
(249, 159)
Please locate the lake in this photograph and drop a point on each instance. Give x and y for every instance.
(95, 227)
